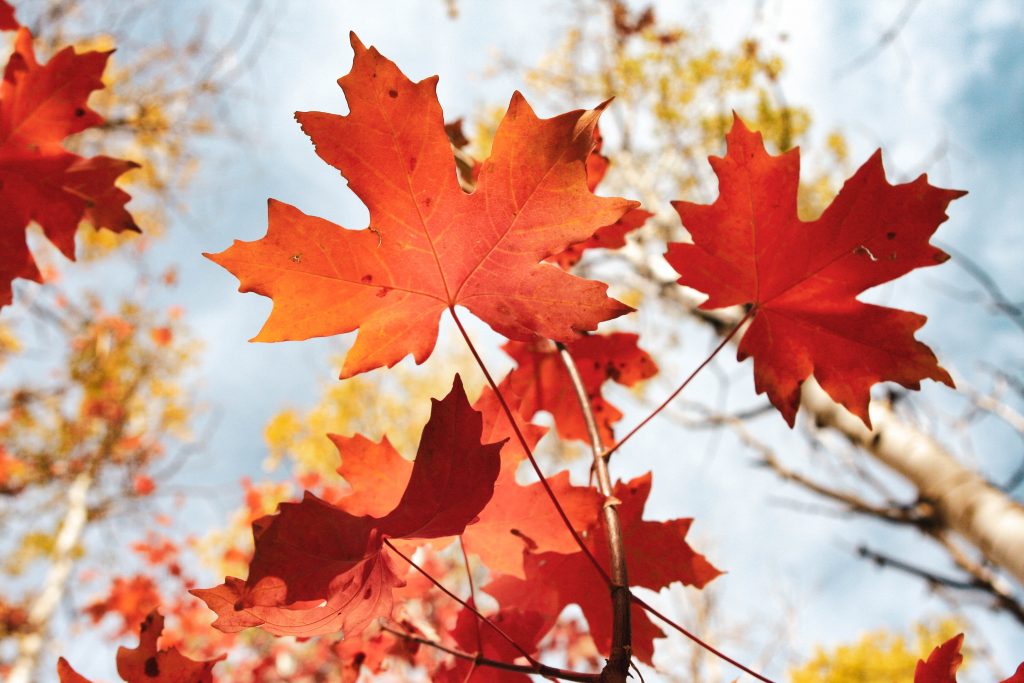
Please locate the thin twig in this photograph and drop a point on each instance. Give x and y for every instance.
(462, 602)
(622, 635)
(679, 389)
(706, 646)
(472, 591)
(529, 451)
(478, 660)
(887, 37)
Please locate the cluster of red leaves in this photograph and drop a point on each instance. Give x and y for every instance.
(330, 564)
(40, 181)
(942, 664)
(323, 566)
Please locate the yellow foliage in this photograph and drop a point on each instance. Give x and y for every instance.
(877, 657)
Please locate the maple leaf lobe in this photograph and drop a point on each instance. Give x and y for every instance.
(802, 278)
(430, 246)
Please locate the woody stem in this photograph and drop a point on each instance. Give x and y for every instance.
(478, 660)
(682, 386)
(619, 657)
(529, 451)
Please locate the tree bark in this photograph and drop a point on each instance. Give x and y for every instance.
(55, 585)
(986, 517)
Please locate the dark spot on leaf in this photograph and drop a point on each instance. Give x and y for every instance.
(366, 279)
(383, 292)
(393, 93)
(428, 201)
(239, 606)
(367, 593)
(151, 668)
(890, 235)
(79, 112)
(296, 258)
(358, 660)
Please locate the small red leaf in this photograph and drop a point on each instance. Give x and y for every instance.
(544, 384)
(942, 663)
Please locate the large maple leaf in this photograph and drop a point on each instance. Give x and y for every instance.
(430, 246)
(148, 664)
(660, 553)
(318, 568)
(544, 383)
(40, 105)
(802, 278)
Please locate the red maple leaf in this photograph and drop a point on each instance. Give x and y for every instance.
(430, 246)
(319, 569)
(609, 236)
(944, 661)
(802, 278)
(660, 556)
(544, 383)
(7, 20)
(40, 105)
(147, 664)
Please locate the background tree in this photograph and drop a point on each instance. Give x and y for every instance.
(95, 415)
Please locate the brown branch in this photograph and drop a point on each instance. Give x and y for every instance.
(617, 668)
(977, 582)
(479, 660)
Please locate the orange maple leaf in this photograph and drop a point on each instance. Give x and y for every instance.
(430, 246)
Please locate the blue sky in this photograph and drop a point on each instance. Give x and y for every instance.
(952, 80)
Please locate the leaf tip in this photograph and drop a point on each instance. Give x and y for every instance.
(357, 45)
